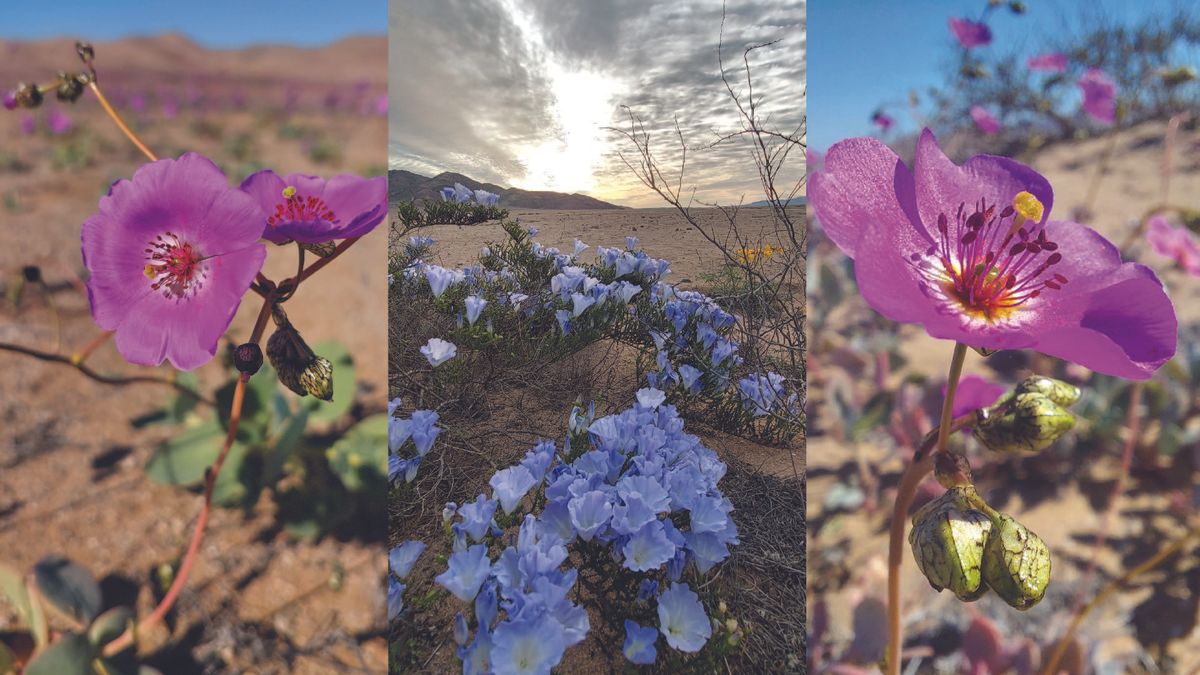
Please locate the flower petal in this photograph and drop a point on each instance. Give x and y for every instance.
(864, 182)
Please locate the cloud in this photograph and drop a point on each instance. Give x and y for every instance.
(473, 84)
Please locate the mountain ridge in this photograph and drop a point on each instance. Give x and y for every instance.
(405, 185)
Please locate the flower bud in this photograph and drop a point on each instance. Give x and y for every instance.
(248, 358)
(1016, 563)
(70, 87)
(25, 96)
(1056, 390)
(948, 539)
(299, 368)
(1025, 422)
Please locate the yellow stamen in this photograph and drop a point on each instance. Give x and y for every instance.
(290, 191)
(1028, 207)
(150, 271)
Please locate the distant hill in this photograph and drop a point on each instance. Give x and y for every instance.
(406, 185)
(794, 201)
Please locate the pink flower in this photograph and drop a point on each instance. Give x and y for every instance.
(970, 34)
(171, 252)
(882, 120)
(1176, 243)
(58, 122)
(312, 210)
(1099, 96)
(968, 253)
(989, 125)
(813, 160)
(974, 392)
(1053, 62)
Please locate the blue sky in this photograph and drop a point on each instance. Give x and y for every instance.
(863, 54)
(215, 23)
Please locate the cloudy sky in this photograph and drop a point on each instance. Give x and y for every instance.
(519, 92)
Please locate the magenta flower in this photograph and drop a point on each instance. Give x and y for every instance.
(974, 392)
(882, 120)
(1176, 243)
(813, 160)
(1099, 96)
(312, 210)
(968, 253)
(970, 34)
(171, 252)
(10, 100)
(989, 125)
(1053, 62)
(58, 122)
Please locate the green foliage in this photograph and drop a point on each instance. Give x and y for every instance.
(431, 212)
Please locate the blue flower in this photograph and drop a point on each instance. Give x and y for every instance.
(461, 631)
(477, 516)
(564, 320)
(477, 657)
(395, 598)
(475, 305)
(510, 486)
(399, 431)
(690, 378)
(650, 397)
(423, 431)
(639, 643)
(467, 570)
(580, 247)
(581, 302)
(437, 351)
(631, 243)
(648, 549)
(590, 512)
(486, 604)
(527, 646)
(681, 619)
(403, 557)
(440, 279)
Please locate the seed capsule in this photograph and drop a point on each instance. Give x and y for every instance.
(1024, 422)
(1056, 390)
(299, 368)
(1016, 563)
(948, 539)
(248, 358)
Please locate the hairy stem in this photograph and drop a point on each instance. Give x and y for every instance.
(913, 475)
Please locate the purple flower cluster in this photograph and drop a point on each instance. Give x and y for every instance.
(400, 562)
(767, 395)
(420, 429)
(639, 489)
(172, 251)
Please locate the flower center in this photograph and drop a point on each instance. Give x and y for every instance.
(298, 208)
(991, 264)
(174, 266)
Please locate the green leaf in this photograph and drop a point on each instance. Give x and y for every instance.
(360, 457)
(283, 445)
(255, 421)
(109, 626)
(234, 486)
(71, 655)
(68, 586)
(12, 584)
(183, 459)
(875, 415)
(343, 384)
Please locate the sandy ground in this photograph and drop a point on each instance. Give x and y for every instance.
(856, 542)
(71, 478)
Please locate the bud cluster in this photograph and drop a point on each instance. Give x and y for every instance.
(1028, 419)
(67, 87)
(962, 544)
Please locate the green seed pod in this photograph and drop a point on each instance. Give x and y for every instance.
(1025, 422)
(1056, 390)
(1016, 563)
(948, 539)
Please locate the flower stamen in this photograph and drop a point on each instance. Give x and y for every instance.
(174, 266)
